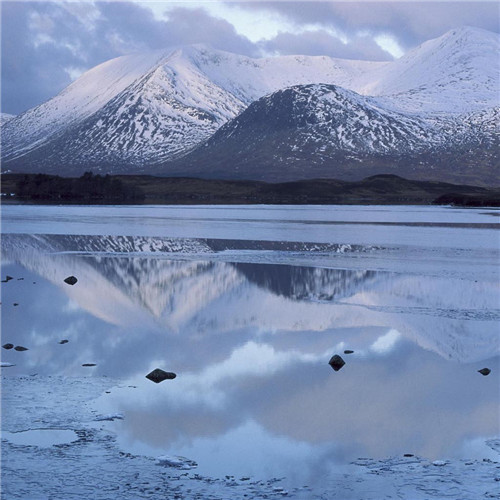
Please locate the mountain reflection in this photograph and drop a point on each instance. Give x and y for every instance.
(306, 283)
(250, 344)
(177, 286)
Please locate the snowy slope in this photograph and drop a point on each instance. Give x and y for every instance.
(5, 117)
(317, 130)
(156, 106)
(455, 73)
(146, 109)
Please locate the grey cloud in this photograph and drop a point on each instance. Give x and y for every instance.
(43, 41)
(322, 42)
(411, 23)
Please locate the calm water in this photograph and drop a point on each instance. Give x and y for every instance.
(247, 305)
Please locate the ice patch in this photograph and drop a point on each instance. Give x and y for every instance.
(111, 417)
(42, 438)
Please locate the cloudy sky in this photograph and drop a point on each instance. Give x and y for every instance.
(46, 45)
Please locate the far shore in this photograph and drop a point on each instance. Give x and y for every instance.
(383, 189)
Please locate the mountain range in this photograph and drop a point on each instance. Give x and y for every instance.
(195, 111)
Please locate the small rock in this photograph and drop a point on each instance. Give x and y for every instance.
(7, 278)
(8, 346)
(336, 362)
(15, 304)
(348, 351)
(89, 364)
(20, 279)
(408, 455)
(65, 341)
(158, 375)
(20, 348)
(3, 364)
(484, 371)
(70, 280)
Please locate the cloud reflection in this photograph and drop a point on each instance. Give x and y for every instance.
(250, 344)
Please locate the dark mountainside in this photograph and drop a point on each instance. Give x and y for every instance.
(324, 131)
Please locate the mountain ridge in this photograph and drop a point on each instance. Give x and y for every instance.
(158, 107)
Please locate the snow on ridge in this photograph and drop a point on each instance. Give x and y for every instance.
(457, 72)
(5, 117)
(153, 107)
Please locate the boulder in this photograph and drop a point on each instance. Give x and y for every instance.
(336, 362)
(158, 375)
(348, 351)
(20, 348)
(65, 341)
(89, 364)
(70, 280)
(8, 346)
(484, 371)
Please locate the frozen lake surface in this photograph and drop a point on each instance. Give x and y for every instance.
(247, 305)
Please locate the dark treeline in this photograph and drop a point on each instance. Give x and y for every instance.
(88, 188)
(140, 189)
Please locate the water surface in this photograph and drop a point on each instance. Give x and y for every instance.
(247, 305)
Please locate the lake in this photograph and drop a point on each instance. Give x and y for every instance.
(246, 305)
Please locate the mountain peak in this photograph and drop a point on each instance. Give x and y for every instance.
(137, 112)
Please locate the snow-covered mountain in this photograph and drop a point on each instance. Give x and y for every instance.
(153, 107)
(5, 117)
(137, 112)
(321, 130)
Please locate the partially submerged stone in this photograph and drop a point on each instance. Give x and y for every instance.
(336, 362)
(65, 341)
(7, 278)
(484, 371)
(158, 375)
(20, 348)
(8, 346)
(89, 364)
(348, 351)
(176, 462)
(70, 280)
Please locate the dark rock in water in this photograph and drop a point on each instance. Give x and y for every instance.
(8, 346)
(408, 455)
(336, 362)
(15, 304)
(65, 341)
(20, 348)
(89, 364)
(158, 375)
(348, 351)
(7, 278)
(70, 280)
(484, 371)
(20, 279)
